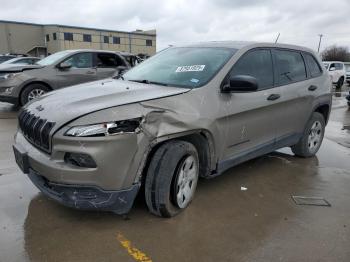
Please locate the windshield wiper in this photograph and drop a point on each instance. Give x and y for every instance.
(145, 81)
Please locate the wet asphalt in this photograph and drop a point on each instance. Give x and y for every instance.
(223, 223)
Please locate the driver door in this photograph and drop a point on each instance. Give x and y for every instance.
(248, 118)
(81, 70)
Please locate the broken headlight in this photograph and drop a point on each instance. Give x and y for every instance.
(105, 129)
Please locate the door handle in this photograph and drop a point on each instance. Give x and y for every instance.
(273, 97)
(312, 88)
(90, 72)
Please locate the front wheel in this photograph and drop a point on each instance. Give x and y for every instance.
(312, 137)
(172, 178)
(33, 91)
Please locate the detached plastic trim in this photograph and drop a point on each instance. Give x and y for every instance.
(86, 197)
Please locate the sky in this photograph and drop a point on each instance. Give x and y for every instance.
(298, 22)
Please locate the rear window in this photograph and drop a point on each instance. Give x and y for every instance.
(314, 67)
(290, 66)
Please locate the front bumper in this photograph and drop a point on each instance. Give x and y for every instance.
(86, 197)
(117, 158)
(9, 99)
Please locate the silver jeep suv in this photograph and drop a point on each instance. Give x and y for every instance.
(188, 112)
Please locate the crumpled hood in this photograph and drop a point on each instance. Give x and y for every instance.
(67, 104)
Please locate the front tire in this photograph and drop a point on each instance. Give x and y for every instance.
(312, 137)
(172, 178)
(32, 91)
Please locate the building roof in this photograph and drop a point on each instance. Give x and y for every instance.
(137, 32)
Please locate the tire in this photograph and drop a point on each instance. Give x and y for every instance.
(32, 91)
(171, 178)
(312, 137)
(340, 82)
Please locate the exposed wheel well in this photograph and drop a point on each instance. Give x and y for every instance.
(324, 111)
(200, 141)
(34, 82)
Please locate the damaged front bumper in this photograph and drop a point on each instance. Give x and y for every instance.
(86, 197)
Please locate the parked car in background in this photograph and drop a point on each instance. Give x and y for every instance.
(20, 61)
(336, 70)
(16, 65)
(4, 58)
(188, 112)
(59, 70)
(347, 69)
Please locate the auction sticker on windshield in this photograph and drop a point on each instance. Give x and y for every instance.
(191, 68)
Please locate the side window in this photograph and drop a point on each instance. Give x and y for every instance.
(256, 63)
(108, 60)
(83, 60)
(290, 66)
(314, 67)
(338, 66)
(68, 36)
(332, 66)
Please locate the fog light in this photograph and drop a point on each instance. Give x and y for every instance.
(80, 160)
(9, 90)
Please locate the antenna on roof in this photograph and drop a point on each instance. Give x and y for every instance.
(277, 38)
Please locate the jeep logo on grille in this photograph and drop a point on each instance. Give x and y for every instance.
(40, 108)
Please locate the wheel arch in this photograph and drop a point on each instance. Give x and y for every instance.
(324, 110)
(201, 139)
(31, 83)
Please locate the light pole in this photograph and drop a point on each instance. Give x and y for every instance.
(319, 43)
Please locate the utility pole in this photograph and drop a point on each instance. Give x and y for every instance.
(277, 38)
(319, 43)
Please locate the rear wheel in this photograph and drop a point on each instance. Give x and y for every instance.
(172, 178)
(312, 137)
(33, 91)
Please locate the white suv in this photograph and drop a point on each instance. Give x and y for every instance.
(337, 72)
(347, 69)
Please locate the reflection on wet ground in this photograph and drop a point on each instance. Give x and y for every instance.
(224, 223)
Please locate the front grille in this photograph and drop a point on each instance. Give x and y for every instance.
(35, 129)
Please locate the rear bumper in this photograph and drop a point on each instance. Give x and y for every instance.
(86, 197)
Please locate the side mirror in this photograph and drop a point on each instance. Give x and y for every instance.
(240, 83)
(64, 65)
(332, 68)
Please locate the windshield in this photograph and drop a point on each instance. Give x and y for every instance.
(52, 59)
(182, 67)
(326, 65)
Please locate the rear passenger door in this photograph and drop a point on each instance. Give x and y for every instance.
(297, 94)
(108, 65)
